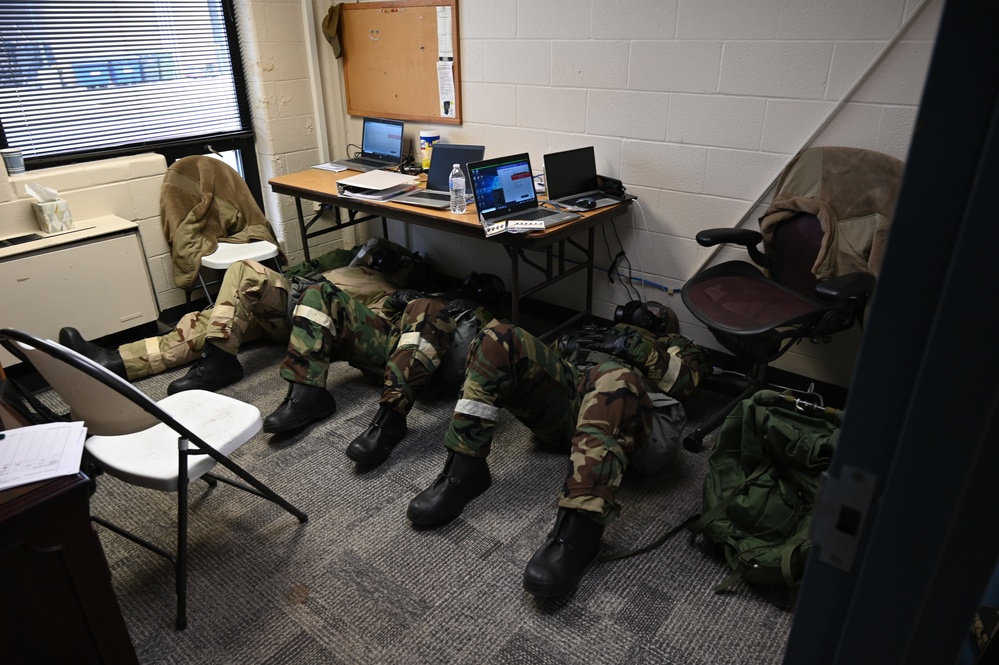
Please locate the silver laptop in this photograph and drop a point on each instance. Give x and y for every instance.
(381, 146)
(442, 159)
(504, 191)
(571, 179)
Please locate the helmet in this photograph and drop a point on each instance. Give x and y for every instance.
(485, 288)
(652, 316)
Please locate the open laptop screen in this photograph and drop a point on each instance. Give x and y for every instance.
(503, 185)
(445, 156)
(382, 139)
(570, 172)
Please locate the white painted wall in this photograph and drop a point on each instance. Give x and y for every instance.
(695, 104)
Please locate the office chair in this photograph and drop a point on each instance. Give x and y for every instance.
(160, 445)
(823, 240)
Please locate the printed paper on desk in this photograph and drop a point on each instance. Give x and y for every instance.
(39, 452)
(330, 166)
(376, 180)
(386, 194)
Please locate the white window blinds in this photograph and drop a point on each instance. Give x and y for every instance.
(84, 77)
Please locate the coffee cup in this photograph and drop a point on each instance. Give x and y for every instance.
(13, 159)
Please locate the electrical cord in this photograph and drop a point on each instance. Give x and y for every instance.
(621, 255)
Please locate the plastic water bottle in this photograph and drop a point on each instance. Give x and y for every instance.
(456, 183)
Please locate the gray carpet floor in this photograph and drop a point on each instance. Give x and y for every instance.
(359, 584)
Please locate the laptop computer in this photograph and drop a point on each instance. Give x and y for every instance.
(381, 146)
(442, 159)
(571, 175)
(504, 192)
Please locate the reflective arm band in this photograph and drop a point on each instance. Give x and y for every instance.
(314, 315)
(478, 409)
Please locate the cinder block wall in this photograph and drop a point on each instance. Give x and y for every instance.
(696, 106)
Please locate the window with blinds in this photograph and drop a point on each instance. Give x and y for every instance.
(87, 79)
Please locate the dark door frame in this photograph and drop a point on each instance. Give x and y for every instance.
(922, 417)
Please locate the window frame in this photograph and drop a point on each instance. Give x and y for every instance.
(243, 141)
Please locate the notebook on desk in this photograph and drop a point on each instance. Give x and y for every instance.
(381, 146)
(571, 175)
(442, 159)
(504, 192)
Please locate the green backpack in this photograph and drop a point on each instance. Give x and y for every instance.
(763, 476)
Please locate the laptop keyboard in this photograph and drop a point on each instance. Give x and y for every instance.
(537, 213)
(435, 196)
(366, 162)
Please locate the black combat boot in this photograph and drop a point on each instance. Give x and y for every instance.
(555, 569)
(108, 358)
(302, 405)
(375, 444)
(463, 478)
(216, 369)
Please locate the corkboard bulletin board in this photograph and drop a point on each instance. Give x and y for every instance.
(400, 60)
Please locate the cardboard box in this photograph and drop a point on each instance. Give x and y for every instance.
(53, 216)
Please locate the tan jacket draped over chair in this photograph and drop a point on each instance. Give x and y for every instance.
(847, 189)
(204, 201)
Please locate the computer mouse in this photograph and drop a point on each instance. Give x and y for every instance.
(585, 202)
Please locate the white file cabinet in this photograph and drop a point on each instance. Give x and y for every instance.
(94, 278)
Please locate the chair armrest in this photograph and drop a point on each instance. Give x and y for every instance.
(745, 237)
(748, 238)
(845, 287)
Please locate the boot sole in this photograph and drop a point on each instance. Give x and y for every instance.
(368, 460)
(210, 387)
(296, 424)
(548, 591)
(373, 459)
(421, 520)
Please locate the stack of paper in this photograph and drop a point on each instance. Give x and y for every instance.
(376, 185)
(330, 166)
(39, 452)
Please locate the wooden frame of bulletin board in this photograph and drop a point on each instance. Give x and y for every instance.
(400, 60)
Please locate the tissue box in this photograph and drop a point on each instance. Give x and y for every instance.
(53, 216)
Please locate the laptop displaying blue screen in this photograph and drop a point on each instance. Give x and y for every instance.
(503, 186)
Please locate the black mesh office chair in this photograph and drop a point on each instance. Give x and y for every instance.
(823, 240)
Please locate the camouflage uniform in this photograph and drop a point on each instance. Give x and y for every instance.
(405, 347)
(602, 412)
(252, 304)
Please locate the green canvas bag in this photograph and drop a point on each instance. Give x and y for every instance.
(759, 491)
(763, 476)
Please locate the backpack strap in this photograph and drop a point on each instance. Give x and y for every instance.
(733, 577)
(792, 546)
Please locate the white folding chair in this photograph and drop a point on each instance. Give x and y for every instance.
(228, 253)
(160, 445)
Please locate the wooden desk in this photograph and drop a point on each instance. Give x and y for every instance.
(58, 604)
(321, 186)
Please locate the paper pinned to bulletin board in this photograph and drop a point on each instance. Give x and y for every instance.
(401, 60)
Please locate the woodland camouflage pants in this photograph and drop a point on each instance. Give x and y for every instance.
(601, 413)
(330, 325)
